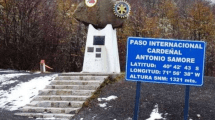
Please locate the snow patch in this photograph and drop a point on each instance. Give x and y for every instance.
(155, 114)
(23, 93)
(36, 72)
(94, 117)
(2, 70)
(1, 92)
(45, 118)
(103, 105)
(9, 82)
(52, 118)
(128, 118)
(108, 98)
(6, 77)
(198, 115)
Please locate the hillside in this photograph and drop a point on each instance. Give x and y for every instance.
(157, 102)
(32, 30)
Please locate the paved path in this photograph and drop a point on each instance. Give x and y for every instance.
(6, 114)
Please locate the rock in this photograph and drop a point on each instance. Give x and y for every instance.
(99, 15)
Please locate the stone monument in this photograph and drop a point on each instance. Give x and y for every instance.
(102, 17)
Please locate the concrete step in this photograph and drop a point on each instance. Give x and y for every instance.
(65, 92)
(74, 87)
(86, 74)
(81, 78)
(64, 96)
(59, 98)
(47, 115)
(75, 82)
(57, 104)
(50, 110)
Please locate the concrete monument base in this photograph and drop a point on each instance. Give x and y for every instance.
(101, 52)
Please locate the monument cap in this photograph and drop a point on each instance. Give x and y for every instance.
(99, 13)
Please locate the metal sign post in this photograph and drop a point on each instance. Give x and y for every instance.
(136, 109)
(186, 107)
(179, 62)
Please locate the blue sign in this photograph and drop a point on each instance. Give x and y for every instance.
(178, 62)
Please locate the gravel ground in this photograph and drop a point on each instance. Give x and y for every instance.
(169, 98)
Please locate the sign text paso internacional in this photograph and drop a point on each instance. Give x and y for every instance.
(165, 61)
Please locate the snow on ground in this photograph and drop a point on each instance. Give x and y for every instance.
(52, 118)
(104, 105)
(37, 72)
(155, 114)
(6, 77)
(198, 115)
(108, 98)
(129, 118)
(9, 82)
(3, 70)
(23, 93)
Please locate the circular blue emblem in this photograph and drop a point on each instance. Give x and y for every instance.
(122, 9)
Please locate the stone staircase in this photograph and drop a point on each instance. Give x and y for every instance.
(64, 96)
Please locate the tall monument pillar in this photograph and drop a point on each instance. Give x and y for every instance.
(101, 52)
(102, 18)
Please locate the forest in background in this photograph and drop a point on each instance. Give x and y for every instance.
(31, 30)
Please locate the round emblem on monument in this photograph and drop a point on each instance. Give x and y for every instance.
(122, 9)
(90, 3)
